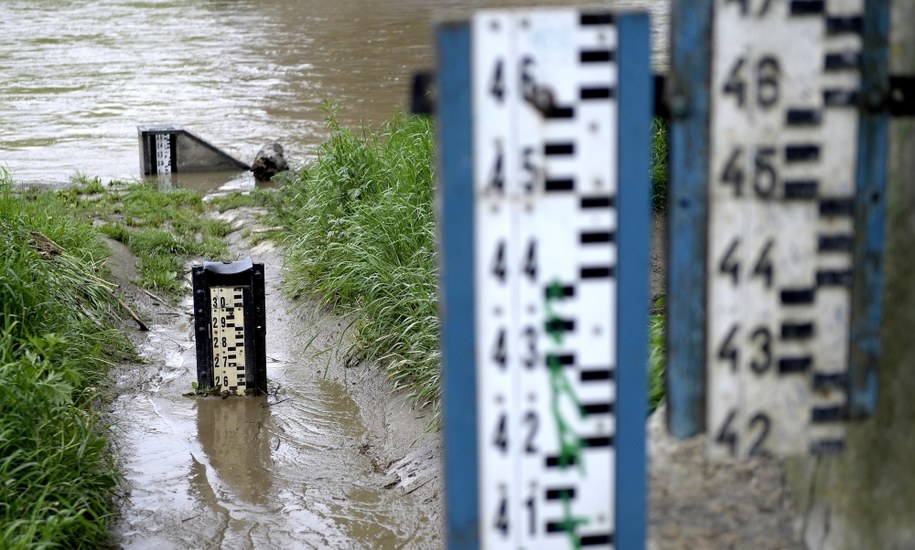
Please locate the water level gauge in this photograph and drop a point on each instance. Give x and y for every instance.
(230, 326)
(544, 161)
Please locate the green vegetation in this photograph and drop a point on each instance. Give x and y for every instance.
(56, 342)
(57, 339)
(164, 229)
(657, 355)
(659, 160)
(360, 235)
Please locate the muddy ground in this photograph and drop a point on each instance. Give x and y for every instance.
(334, 458)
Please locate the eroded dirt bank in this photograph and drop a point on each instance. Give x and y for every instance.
(330, 459)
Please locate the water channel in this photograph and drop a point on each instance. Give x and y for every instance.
(76, 79)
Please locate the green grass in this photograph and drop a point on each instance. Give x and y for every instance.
(56, 343)
(164, 229)
(657, 355)
(360, 235)
(659, 162)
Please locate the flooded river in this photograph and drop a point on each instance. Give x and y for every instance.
(78, 77)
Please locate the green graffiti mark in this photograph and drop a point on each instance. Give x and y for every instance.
(570, 445)
(570, 523)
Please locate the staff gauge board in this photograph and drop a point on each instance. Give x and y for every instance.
(544, 120)
(793, 233)
(230, 327)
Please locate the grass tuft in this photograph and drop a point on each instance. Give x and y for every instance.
(360, 234)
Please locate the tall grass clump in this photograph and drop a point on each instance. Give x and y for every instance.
(56, 342)
(360, 235)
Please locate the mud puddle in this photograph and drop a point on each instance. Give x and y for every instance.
(305, 466)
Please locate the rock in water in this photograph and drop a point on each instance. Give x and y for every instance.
(269, 162)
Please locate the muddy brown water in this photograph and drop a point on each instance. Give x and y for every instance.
(289, 470)
(77, 77)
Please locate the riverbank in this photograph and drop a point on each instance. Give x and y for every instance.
(58, 315)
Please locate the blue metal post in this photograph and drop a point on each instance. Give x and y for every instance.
(456, 299)
(688, 98)
(870, 214)
(634, 142)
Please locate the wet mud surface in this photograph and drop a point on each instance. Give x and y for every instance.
(331, 458)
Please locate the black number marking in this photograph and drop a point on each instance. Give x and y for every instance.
(502, 517)
(499, 354)
(215, 360)
(533, 423)
(528, 84)
(733, 171)
(225, 361)
(762, 337)
(225, 381)
(764, 175)
(223, 322)
(735, 83)
(728, 351)
(530, 261)
(497, 181)
(768, 73)
(763, 267)
(760, 418)
(729, 265)
(498, 263)
(225, 343)
(531, 505)
(530, 169)
(530, 334)
(222, 302)
(727, 435)
(497, 84)
(501, 438)
(214, 322)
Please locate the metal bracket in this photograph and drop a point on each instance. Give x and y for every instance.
(422, 93)
(901, 100)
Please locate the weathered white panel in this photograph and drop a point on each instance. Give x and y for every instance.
(782, 159)
(545, 277)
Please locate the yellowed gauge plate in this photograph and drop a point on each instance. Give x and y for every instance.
(228, 329)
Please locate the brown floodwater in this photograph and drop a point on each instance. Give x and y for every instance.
(76, 79)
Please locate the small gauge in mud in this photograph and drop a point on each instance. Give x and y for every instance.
(230, 327)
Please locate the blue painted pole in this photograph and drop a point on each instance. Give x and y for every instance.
(688, 97)
(634, 142)
(870, 214)
(456, 299)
